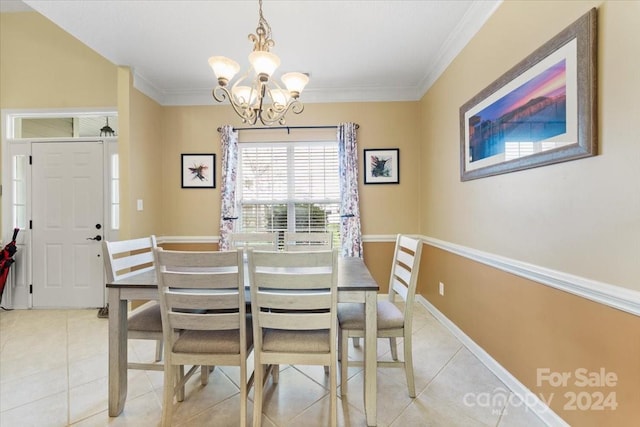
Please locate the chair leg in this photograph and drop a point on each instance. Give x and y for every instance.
(333, 395)
(394, 348)
(258, 385)
(344, 361)
(204, 374)
(167, 394)
(179, 374)
(243, 394)
(275, 373)
(408, 365)
(159, 350)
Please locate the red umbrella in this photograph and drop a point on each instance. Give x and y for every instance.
(6, 259)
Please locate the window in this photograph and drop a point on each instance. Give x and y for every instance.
(78, 125)
(289, 187)
(19, 193)
(114, 191)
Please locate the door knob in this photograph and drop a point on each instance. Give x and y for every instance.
(97, 238)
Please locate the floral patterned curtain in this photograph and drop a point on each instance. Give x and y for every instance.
(350, 230)
(229, 150)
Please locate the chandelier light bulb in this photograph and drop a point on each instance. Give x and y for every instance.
(264, 63)
(224, 68)
(295, 83)
(280, 96)
(244, 95)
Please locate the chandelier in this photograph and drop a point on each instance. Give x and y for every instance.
(256, 95)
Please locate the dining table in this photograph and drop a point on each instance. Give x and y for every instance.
(355, 285)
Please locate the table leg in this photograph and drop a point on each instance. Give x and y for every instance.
(117, 352)
(370, 357)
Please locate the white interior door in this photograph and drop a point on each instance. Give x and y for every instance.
(67, 213)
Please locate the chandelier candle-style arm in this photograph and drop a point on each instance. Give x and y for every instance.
(259, 98)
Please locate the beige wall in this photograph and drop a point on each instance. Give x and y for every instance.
(42, 66)
(145, 166)
(580, 217)
(385, 209)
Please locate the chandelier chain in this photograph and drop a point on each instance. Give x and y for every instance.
(262, 40)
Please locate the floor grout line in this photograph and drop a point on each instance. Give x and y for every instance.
(147, 408)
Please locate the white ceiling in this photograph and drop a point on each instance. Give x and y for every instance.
(354, 50)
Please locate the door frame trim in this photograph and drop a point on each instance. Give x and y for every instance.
(110, 146)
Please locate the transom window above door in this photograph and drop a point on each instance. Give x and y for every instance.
(64, 126)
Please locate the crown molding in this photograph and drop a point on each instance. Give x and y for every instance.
(475, 17)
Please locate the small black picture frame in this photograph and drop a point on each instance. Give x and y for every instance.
(198, 171)
(382, 166)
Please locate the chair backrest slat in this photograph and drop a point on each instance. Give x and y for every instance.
(404, 270)
(275, 280)
(295, 321)
(289, 301)
(216, 301)
(204, 322)
(200, 291)
(297, 241)
(201, 279)
(125, 258)
(266, 241)
(293, 290)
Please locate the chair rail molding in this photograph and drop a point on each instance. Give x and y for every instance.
(617, 297)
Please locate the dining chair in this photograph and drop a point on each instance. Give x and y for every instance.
(125, 258)
(300, 241)
(202, 300)
(308, 241)
(293, 304)
(266, 241)
(393, 322)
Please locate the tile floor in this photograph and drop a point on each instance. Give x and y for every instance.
(53, 372)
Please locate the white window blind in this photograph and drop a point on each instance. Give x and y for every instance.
(289, 187)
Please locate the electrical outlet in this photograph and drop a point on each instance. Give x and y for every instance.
(441, 288)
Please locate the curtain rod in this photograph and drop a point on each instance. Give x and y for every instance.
(288, 128)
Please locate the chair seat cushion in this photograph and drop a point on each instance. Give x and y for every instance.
(351, 316)
(147, 319)
(280, 340)
(212, 342)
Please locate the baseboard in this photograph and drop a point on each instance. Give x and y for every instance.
(532, 401)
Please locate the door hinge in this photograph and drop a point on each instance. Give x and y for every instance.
(31, 289)
(30, 160)
(30, 224)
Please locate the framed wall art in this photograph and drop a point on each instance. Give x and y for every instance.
(198, 171)
(540, 112)
(382, 166)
